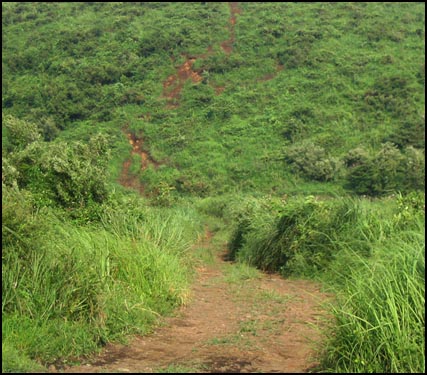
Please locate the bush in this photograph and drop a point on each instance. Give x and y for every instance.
(21, 227)
(391, 94)
(313, 162)
(72, 176)
(414, 166)
(297, 53)
(19, 133)
(9, 173)
(387, 171)
(411, 132)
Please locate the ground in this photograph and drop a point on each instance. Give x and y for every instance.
(238, 320)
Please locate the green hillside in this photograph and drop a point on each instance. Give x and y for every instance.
(300, 84)
(299, 128)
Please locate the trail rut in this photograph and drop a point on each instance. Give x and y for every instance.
(263, 324)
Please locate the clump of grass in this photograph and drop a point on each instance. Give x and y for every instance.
(298, 237)
(15, 361)
(79, 287)
(371, 252)
(303, 236)
(241, 272)
(380, 316)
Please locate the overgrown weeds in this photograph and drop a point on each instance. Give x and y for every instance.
(69, 288)
(371, 255)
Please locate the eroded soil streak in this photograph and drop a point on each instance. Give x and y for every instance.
(128, 179)
(227, 45)
(267, 324)
(172, 87)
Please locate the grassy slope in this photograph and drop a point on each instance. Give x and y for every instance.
(99, 67)
(68, 289)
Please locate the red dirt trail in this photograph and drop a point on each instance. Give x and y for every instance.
(265, 324)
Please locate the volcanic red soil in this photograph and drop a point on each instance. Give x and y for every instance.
(127, 179)
(172, 88)
(174, 84)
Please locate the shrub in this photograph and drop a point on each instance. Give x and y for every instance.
(384, 172)
(391, 94)
(411, 132)
(72, 175)
(414, 166)
(20, 226)
(20, 133)
(312, 162)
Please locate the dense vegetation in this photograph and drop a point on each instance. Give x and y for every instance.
(370, 252)
(302, 127)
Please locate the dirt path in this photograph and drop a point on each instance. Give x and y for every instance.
(237, 321)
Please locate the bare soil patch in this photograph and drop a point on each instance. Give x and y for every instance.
(232, 324)
(126, 178)
(174, 84)
(227, 45)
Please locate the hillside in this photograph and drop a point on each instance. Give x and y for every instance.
(290, 134)
(242, 96)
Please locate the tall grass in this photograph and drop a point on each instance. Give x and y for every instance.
(299, 236)
(380, 314)
(79, 287)
(371, 254)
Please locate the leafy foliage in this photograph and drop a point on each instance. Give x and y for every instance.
(313, 162)
(71, 176)
(386, 171)
(19, 133)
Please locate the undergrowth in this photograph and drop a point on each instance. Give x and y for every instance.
(369, 253)
(68, 288)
